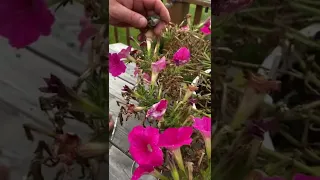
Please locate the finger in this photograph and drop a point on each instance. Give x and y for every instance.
(151, 13)
(159, 28)
(121, 24)
(158, 7)
(125, 15)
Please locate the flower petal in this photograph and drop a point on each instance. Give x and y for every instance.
(173, 138)
(140, 171)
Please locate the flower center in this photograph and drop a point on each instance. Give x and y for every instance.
(149, 148)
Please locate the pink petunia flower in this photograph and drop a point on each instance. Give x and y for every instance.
(22, 22)
(125, 52)
(185, 28)
(87, 31)
(140, 171)
(116, 66)
(173, 139)
(157, 110)
(144, 146)
(159, 65)
(206, 28)
(182, 56)
(146, 78)
(203, 125)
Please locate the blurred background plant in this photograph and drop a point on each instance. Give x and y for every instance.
(262, 92)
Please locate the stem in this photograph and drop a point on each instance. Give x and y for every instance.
(296, 164)
(178, 158)
(158, 175)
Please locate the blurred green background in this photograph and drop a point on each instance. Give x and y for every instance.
(134, 32)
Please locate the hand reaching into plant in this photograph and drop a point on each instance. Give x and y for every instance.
(130, 13)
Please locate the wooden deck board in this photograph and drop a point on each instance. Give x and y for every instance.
(20, 79)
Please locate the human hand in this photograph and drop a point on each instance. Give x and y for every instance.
(132, 13)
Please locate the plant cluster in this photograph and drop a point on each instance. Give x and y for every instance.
(174, 139)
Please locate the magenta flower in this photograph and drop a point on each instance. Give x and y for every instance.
(22, 22)
(157, 110)
(116, 66)
(144, 146)
(206, 28)
(140, 171)
(125, 52)
(173, 139)
(159, 65)
(87, 31)
(203, 125)
(182, 56)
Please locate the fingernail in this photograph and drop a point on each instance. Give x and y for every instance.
(143, 22)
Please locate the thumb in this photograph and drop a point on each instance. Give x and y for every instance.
(125, 15)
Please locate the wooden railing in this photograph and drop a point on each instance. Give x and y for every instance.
(178, 12)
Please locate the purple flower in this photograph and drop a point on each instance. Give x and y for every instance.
(144, 146)
(22, 22)
(182, 56)
(116, 66)
(157, 110)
